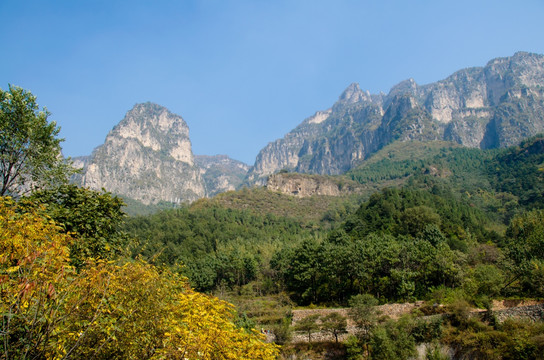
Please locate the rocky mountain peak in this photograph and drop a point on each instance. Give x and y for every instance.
(155, 127)
(497, 105)
(354, 94)
(519, 58)
(402, 104)
(147, 157)
(221, 173)
(408, 86)
(153, 116)
(522, 69)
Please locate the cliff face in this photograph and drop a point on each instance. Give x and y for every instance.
(304, 185)
(147, 157)
(494, 106)
(220, 173)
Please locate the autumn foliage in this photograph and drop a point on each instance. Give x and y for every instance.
(106, 310)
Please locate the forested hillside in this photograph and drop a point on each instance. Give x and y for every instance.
(453, 228)
(463, 196)
(459, 225)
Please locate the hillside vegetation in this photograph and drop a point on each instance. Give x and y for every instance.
(453, 228)
(462, 225)
(69, 287)
(463, 199)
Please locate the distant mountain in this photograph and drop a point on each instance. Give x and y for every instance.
(148, 157)
(221, 173)
(486, 107)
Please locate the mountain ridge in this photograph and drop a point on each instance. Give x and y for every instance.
(148, 155)
(497, 105)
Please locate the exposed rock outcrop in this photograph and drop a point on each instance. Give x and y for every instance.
(221, 173)
(147, 157)
(493, 106)
(304, 185)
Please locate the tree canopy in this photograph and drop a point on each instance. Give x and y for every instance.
(93, 217)
(30, 152)
(108, 309)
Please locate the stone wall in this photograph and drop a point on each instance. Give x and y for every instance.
(392, 311)
(530, 310)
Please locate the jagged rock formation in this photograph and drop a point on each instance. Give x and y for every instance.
(494, 106)
(148, 157)
(221, 173)
(304, 185)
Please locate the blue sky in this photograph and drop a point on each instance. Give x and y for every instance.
(241, 73)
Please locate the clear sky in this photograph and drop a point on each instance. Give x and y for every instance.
(241, 73)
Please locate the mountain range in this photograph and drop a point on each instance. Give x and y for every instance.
(148, 155)
(487, 107)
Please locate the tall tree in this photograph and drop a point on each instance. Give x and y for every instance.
(94, 217)
(334, 323)
(364, 313)
(308, 325)
(30, 153)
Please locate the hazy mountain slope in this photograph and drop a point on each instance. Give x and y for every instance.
(221, 173)
(493, 106)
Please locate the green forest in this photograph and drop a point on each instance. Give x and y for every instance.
(453, 228)
(457, 227)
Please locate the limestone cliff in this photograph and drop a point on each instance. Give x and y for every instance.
(304, 185)
(485, 107)
(147, 157)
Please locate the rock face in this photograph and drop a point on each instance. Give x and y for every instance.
(148, 157)
(493, 106)
(221, 173)
(304, 185)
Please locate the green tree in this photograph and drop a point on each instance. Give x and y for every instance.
(94, 217)
(354, 351)
(364, 313)
(393, 340)
(308, 325)
(334, 323)
(282, 331)
(30, 152)
(414, 220)
(525, 245)
(304, 272)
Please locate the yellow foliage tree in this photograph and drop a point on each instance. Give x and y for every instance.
(107, 310)
(35, 277)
